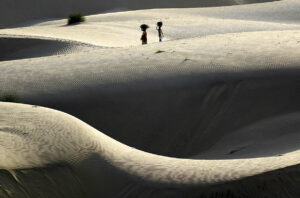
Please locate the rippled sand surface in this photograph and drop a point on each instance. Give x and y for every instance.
(212, 111)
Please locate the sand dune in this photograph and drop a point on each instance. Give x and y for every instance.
(213, 111)
(45, 136)
(18, 11)
(279, 11)
(122, 29)
(218, 81)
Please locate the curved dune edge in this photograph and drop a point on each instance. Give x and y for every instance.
(177, 95)
(242, 86)
(20, 47)
(42, 136)
(121, 29)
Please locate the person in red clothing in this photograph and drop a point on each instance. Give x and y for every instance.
(160, 33)
(144, 28)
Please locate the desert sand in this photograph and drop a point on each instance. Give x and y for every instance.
(18, 11)
(212, 111)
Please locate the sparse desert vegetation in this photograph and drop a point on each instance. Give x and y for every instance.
(159, 51)
(186, 59)
(75, 18)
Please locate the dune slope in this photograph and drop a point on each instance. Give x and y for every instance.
(213, 111)
(47, 142)
(13, 48)
(122, 29)
(138, 102)
(17, 11)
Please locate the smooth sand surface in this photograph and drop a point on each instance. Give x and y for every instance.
(122, 29)
(218, 106)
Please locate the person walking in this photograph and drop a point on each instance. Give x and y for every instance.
(144, 38)
(160, 33)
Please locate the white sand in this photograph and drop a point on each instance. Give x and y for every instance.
(122, 29)
(224, 91)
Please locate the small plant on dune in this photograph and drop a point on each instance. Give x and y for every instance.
(75, 18)
(186, 59)
(10, 98)
(159, 51)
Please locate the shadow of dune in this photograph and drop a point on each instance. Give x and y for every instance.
(21, 48)
(181, 116)
(51, 181)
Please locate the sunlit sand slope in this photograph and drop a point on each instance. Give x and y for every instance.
(47, 142)
(144, 96)
(122, 29)
(213, 111)
(12, 12)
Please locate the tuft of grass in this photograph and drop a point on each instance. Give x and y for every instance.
(186, 59)
(159, 51)
(10, 98)
(75, 18)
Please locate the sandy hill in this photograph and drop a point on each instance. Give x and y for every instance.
(17, 11)
(212, 111)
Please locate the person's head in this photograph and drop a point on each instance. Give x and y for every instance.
(144, 27)
(159, 24)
